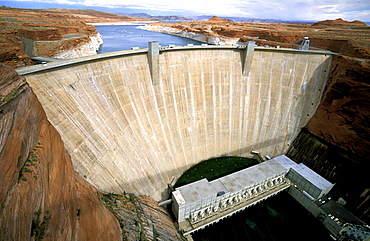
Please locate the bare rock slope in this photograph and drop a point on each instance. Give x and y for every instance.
(41, 196)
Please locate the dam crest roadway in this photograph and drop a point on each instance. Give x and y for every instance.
(134, 121)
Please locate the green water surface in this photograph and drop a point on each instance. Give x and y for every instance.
(214, 168)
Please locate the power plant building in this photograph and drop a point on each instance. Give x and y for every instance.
(198, 204)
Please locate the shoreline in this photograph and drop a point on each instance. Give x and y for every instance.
(121, 23)
(191, 35)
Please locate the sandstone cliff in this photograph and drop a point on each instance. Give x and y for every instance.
(140, 218)
(41, 196)
(340, 22)
(344, 113)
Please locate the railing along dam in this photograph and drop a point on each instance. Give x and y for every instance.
(135, 120)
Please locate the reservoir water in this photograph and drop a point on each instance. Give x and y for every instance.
(124, 37)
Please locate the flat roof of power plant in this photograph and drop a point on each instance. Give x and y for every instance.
(312, 177)
(236, 181)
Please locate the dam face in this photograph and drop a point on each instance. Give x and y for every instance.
(130, 129)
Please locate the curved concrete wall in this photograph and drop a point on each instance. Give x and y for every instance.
(125, 133)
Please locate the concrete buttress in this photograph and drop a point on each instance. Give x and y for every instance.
(153, 58)
(248, 57)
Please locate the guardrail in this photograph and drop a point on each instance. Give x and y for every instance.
(136, 50)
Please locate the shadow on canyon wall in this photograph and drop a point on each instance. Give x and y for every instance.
(347, 170)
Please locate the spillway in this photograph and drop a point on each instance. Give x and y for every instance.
(133, 122)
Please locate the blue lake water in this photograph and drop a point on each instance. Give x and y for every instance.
(124, 37)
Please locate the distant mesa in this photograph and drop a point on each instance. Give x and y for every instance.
(218, 20)
(339, 22)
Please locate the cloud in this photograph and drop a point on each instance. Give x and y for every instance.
(314, 10)
(278, 9)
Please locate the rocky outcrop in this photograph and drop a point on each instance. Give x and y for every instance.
(12, 54)
(357, 48)
(90, 47)
(41, 196)
(339, 22)
(140, 218)
(93, 16)
(216, 19)
(344, 113)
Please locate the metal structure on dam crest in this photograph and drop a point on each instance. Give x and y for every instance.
(135, 120)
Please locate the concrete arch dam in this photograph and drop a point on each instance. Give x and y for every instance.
(135, 120)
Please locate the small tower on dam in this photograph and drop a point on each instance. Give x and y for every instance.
(133, 121)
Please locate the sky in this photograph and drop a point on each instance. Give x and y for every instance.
(267, 9)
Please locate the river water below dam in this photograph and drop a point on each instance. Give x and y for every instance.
(124, 37)
(279, 218)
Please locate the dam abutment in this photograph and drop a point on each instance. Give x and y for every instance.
(130, 126)
(153, 59)
(248, 57)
